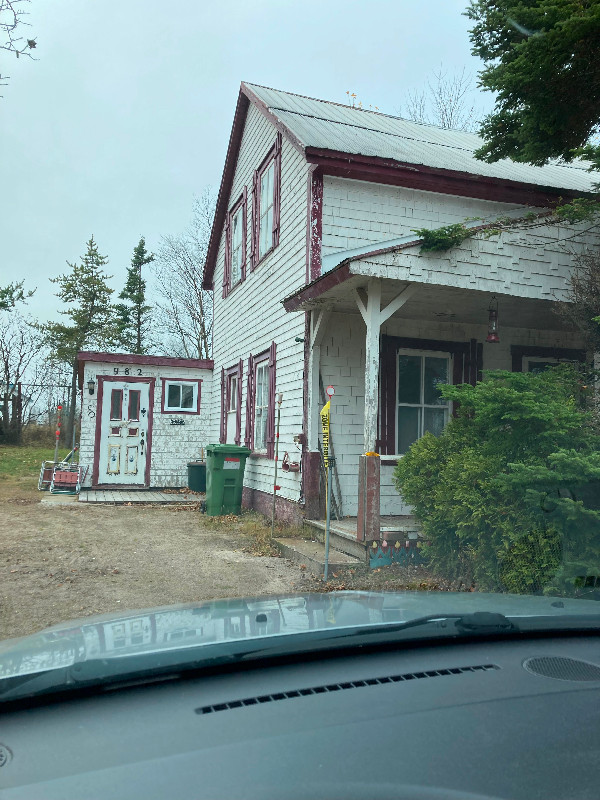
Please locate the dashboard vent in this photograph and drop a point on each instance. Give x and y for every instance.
(562, 668)
(340, 687)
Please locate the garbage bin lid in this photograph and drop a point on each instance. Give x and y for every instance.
(196, 463)
(229, 449)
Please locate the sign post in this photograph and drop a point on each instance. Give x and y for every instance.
(58, 416)
(329, 464)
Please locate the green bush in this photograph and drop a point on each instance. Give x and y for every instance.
(510, 492)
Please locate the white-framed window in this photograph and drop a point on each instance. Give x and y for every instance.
(237, 245)
(232, 408)
(261, 406)
(181, 396)
(266, 205)
(419, 405)
(538, 363)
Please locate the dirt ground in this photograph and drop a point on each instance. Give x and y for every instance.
(69, 561)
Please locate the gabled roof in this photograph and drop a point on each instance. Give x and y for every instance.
(318, 128)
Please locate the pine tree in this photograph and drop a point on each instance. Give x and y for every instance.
(90, 313)
(542, 62)
(132, 317)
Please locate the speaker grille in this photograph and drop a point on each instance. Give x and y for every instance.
(562, 668)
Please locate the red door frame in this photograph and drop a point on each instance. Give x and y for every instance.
(122, 379)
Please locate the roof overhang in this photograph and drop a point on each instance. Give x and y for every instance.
(88, 356)
(432, 179)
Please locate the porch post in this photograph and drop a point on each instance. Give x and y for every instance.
(312, 458)
(369, 478)
(368, 523)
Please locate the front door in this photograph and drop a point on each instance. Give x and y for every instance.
(123, 451)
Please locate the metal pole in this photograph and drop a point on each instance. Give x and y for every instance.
(275, 487)
(330, 467)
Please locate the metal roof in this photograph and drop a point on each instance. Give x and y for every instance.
(332, 126)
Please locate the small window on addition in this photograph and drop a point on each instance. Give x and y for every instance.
(181, 396)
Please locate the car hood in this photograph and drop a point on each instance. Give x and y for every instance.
(208, 626)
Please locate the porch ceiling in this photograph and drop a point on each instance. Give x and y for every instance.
(430, 303)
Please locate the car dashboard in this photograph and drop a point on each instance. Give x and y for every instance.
(489, 718)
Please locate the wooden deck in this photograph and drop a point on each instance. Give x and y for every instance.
(124, 496)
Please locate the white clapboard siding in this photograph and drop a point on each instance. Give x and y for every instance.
(252, 316)
(172, 446)
(357, 213)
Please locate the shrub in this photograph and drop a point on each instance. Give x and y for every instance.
(510, 492)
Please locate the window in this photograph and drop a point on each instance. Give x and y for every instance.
(237, 241)
(234, 270)
(260, 403)
(266, 201)
(116, 404)
(231, 401)
(420, 408)
(182, 396)
(265, 223)
(261, 407)
(134, 404)
(538, 364)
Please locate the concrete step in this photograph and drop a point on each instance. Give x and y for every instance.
(312, 555)
(339, 540)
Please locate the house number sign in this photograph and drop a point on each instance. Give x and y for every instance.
(126, 371)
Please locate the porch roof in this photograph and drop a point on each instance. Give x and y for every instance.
(458, 294)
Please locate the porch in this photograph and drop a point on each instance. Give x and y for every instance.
(377, 320)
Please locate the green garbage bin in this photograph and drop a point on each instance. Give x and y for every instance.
(225, 464)
(197, 476)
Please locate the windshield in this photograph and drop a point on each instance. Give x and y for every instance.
(289, 350)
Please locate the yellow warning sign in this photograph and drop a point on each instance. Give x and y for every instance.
(325, 426)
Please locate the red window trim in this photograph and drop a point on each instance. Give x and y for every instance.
(226, 375)
(253, 362)
(519, 352)
(242, 203)
(274, 154)
(466, 368)
(164, 410)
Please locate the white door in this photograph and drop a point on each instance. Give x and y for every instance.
(124, 433)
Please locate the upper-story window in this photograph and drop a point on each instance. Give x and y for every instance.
(235, 245)
(265, 222)
(266, 202)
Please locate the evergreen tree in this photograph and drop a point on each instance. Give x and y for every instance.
(542, 61)
(132, 317)
(90, 313)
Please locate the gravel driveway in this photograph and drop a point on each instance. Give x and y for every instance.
(64, 562)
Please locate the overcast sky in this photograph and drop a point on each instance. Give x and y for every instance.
(126, 114)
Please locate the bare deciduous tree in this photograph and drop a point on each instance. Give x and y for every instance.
(11, 18)
(184, 307)
(21, 362)
(443, 102)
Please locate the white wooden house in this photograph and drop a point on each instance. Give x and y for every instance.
(143, 418)
(319, 279)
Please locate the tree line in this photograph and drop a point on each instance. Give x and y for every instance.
(42, 356)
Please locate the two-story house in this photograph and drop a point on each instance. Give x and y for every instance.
(319, 279)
